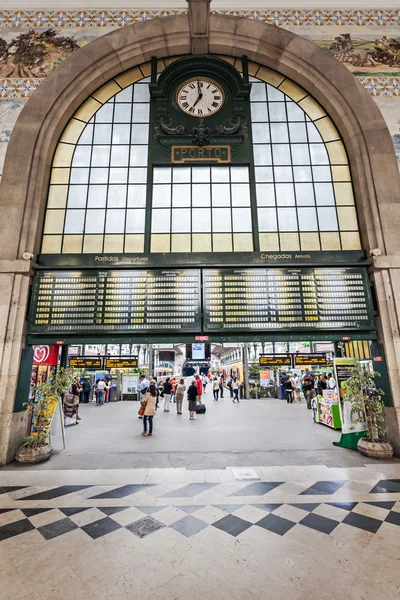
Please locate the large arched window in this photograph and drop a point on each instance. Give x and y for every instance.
(103, 197)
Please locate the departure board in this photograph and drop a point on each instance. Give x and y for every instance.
(275, 360)
(116, 301)
(277, 299)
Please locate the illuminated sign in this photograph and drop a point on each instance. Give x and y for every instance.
(275, 360)
(301, 360)
(85, 363)
(121, 363)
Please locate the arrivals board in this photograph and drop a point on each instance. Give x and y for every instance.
(86, 363)
(275, 360)
(286, 299)
(121, 363)
(301, 360)
(116, 301)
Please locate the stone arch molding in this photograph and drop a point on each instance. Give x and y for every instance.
(38, 128)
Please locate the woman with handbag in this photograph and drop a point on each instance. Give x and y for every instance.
(180, 392)
(149, 410)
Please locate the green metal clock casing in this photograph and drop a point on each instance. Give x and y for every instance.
(200, 97)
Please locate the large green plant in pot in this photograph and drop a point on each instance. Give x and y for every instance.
(45, 396)
(367, 407)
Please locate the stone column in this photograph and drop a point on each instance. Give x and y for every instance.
(199, 23)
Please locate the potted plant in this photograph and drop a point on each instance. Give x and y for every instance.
(367, 407)
(44, 398)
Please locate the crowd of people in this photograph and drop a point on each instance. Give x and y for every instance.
(311, 385)
(80, 394)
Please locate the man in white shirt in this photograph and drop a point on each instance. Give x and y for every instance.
(100, 392)
(331, 383)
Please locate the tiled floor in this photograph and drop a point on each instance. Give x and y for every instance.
(300, 533)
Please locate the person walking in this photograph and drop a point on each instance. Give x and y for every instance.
(235, 389)
(173, 390)
(215, 384)
(180, 392)
(199, 386)
(100, 392)
(167, 388)
(296, 387)
(289, 390)
(86, 388)
(229, 386)
(78, 394)
(221, 387)
(205, 381)
(308, 387)
(150, 402)
(192, 395)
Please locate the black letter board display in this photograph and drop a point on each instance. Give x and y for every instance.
(279, 299)
(116, 301)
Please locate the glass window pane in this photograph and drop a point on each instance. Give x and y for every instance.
(120, 134)
(220, 174)
(319, 155)
(322, 173)
(79, 175)
(97, 196)
(267, 219)
(200, 174)
(137, 175)
(221, 220)
(281, 154)
(304, 194)
(86, 135)
(181, 194)
(287, 219)
(259, 112)
(101, 156)
(122, 113)
(95, 221)
(327, 218)
(102, 134)
(258, 92)
(298, 132)
(135, 221)
(77, 196)
(277, 111)
(119, 156)
(221, 194)
(82, 156)
(307, 219)
(262, 155)
(115, 221)
(74, 220)
(161, 195)
(295, 113)
(240, 194)
(140, 133)
(260, 133)
(160, 220)
(201, 194)
(264, 173)
(300, 154)
(116, 196)
(138, 156)
(181, 220)
(162, 175)
(324, 193)
(141, 93)
(118, 175)
(201, 220)
(181, 174)
(241, 219)
(285, 194)
(105, 114)
(275, 95)
(313, 133)
(98, 175)
(137, 196)
(279, 133)
(265, 194)
(302, 173)
(125, 95)
(239, 174)
(283, 174)
(140, 113)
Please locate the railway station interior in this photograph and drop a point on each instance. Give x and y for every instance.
(199, 300)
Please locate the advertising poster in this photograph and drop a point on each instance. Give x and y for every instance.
(129, 384)
(351, 431)
(265, 376)
(198, 352)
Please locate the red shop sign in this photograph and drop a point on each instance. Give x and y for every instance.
(377, 358)
(45, 355)
(202, 338)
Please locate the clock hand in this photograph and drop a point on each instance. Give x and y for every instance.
(198, 99)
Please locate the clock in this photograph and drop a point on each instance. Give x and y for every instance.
(200, 97)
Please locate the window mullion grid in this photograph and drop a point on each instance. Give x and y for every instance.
(191, 208)
(292, 169)
(312, 181)
(273, 169)
(128, 165)
(108, 174)
(88, 184)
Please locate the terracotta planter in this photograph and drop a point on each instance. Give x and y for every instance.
(372, 449)
(32, 456)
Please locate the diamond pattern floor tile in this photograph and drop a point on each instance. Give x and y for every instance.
(276, 524)
(387, 505)
(101, 527)
(322, 524)
(393, 518)
(259, 488)
(57, 528)
(345, 505)
(232, 525)
(323, 488)
(385, 486)
(307, 506)
(123, 491)
(15, 528)
(189, 525)
(145, 527)
(190, 490)
(31, 512)
(362, 522)
(112, 510)
(57, 492)
(69, 512)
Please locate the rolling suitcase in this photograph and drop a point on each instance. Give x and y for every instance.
(200, 409)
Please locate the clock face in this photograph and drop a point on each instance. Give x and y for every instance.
(200, 97)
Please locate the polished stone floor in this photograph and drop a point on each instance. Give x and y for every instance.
(294, 532)
(254, 432)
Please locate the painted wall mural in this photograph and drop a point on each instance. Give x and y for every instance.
(32, 43)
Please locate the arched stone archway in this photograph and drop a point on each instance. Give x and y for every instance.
(34, 138)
